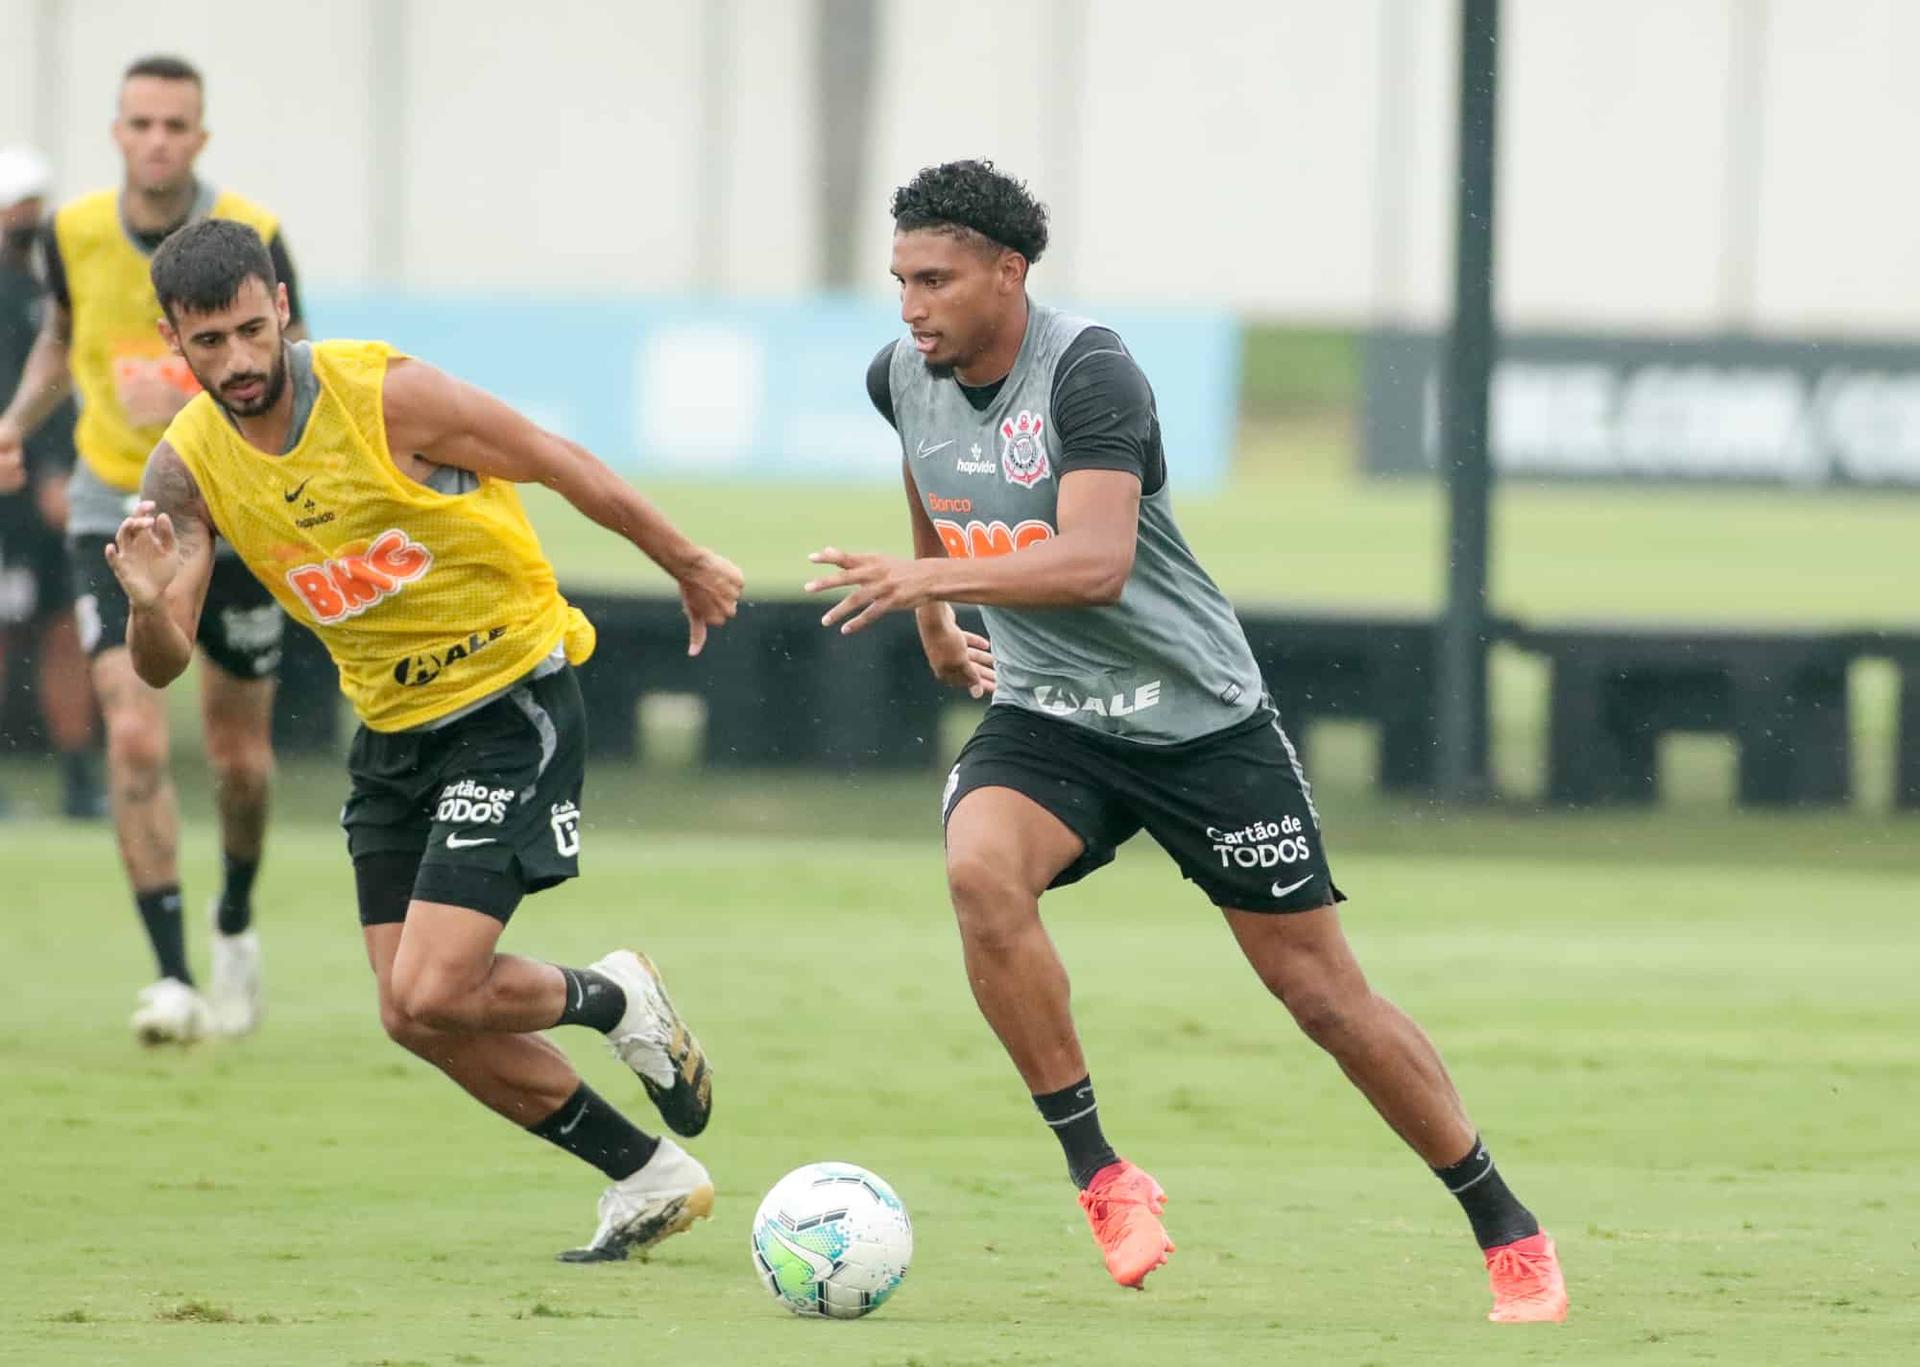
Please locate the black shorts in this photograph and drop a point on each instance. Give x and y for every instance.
(241, 627)
(36, 579)
(482, 810)
(1233, 808)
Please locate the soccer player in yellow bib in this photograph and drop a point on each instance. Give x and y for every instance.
(98, 337)
(374, 497)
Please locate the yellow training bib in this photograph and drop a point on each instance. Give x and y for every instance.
(116, 340)
(426, 601)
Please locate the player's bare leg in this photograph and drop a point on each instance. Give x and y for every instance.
(146, 822)
(237, 716)
(146, 813)
(1304, 960)
(1003, 849)
(446, 996)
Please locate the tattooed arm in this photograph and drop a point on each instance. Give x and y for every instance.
(163, 557)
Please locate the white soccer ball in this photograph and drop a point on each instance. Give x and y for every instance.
(832, 1239)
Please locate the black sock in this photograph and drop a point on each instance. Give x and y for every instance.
(160, 912)
(1495, 1213)
(76, 770)
(592, 999)
(588, 1127)
(1074, 1117)
(236, 894)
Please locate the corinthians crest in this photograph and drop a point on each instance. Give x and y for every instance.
(1023, 456)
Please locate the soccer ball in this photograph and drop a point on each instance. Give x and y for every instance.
(832, 1239)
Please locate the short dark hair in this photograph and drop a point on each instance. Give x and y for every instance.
(165, 68)
(201, 268)
(973, 196)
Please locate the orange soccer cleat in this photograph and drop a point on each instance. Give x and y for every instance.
(1526, 1280)
(1123, 1206)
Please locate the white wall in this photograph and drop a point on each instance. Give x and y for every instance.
(1677, 165)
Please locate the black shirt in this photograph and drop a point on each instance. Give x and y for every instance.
(49, 451)
(1102, 407)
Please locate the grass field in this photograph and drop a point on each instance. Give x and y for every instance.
(1689, 1032)
(1689, 1037)
(1298, 525)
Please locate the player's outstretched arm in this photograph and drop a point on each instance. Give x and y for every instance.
(1085, 564)
(453, 423)
(163, 557)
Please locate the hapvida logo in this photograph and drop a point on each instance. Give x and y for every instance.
(347, 585)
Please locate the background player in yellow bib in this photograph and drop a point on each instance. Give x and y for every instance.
(99, 337)
(374, 497)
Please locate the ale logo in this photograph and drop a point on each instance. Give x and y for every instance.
(348, 585)
(985, 540)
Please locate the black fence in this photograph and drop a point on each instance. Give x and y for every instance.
(778, 691)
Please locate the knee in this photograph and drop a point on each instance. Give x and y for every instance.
(242, 767)
(425, 1003)
(415, 1036)
(136, 739)
(990, 899)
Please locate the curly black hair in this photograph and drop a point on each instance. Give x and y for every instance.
(972, 195)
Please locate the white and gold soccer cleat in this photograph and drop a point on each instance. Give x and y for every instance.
(652, 1040)
(662, 1199)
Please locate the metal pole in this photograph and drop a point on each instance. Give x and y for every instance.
(716, 145)
(1464, 630)
(849, 37)
(390, 92)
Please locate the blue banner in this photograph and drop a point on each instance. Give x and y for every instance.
(722, 389)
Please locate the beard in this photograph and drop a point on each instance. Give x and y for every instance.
(275, 385)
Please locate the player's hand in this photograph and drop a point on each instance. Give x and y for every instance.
(144, 555)
(710, 588)
(13, 466)
(880, 584)
(150, 400)
(961, 659)
(51, 496)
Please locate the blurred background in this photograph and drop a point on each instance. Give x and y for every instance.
(670, 242)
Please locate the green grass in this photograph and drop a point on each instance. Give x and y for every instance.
(1297, 526)
(1688, 1035)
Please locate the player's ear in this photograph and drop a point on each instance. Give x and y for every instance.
(1013, 270)
(281, 306)
(169, 335)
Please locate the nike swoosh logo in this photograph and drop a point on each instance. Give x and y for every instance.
(577, 1115)
(1278, 891)
(298, 489)
(926, 450)
(454, 842)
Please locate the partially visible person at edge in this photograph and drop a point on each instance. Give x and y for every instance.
(36, 576)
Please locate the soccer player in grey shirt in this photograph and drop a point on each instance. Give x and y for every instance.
(1124, 697)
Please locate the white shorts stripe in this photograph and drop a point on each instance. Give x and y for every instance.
(1299, 773)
